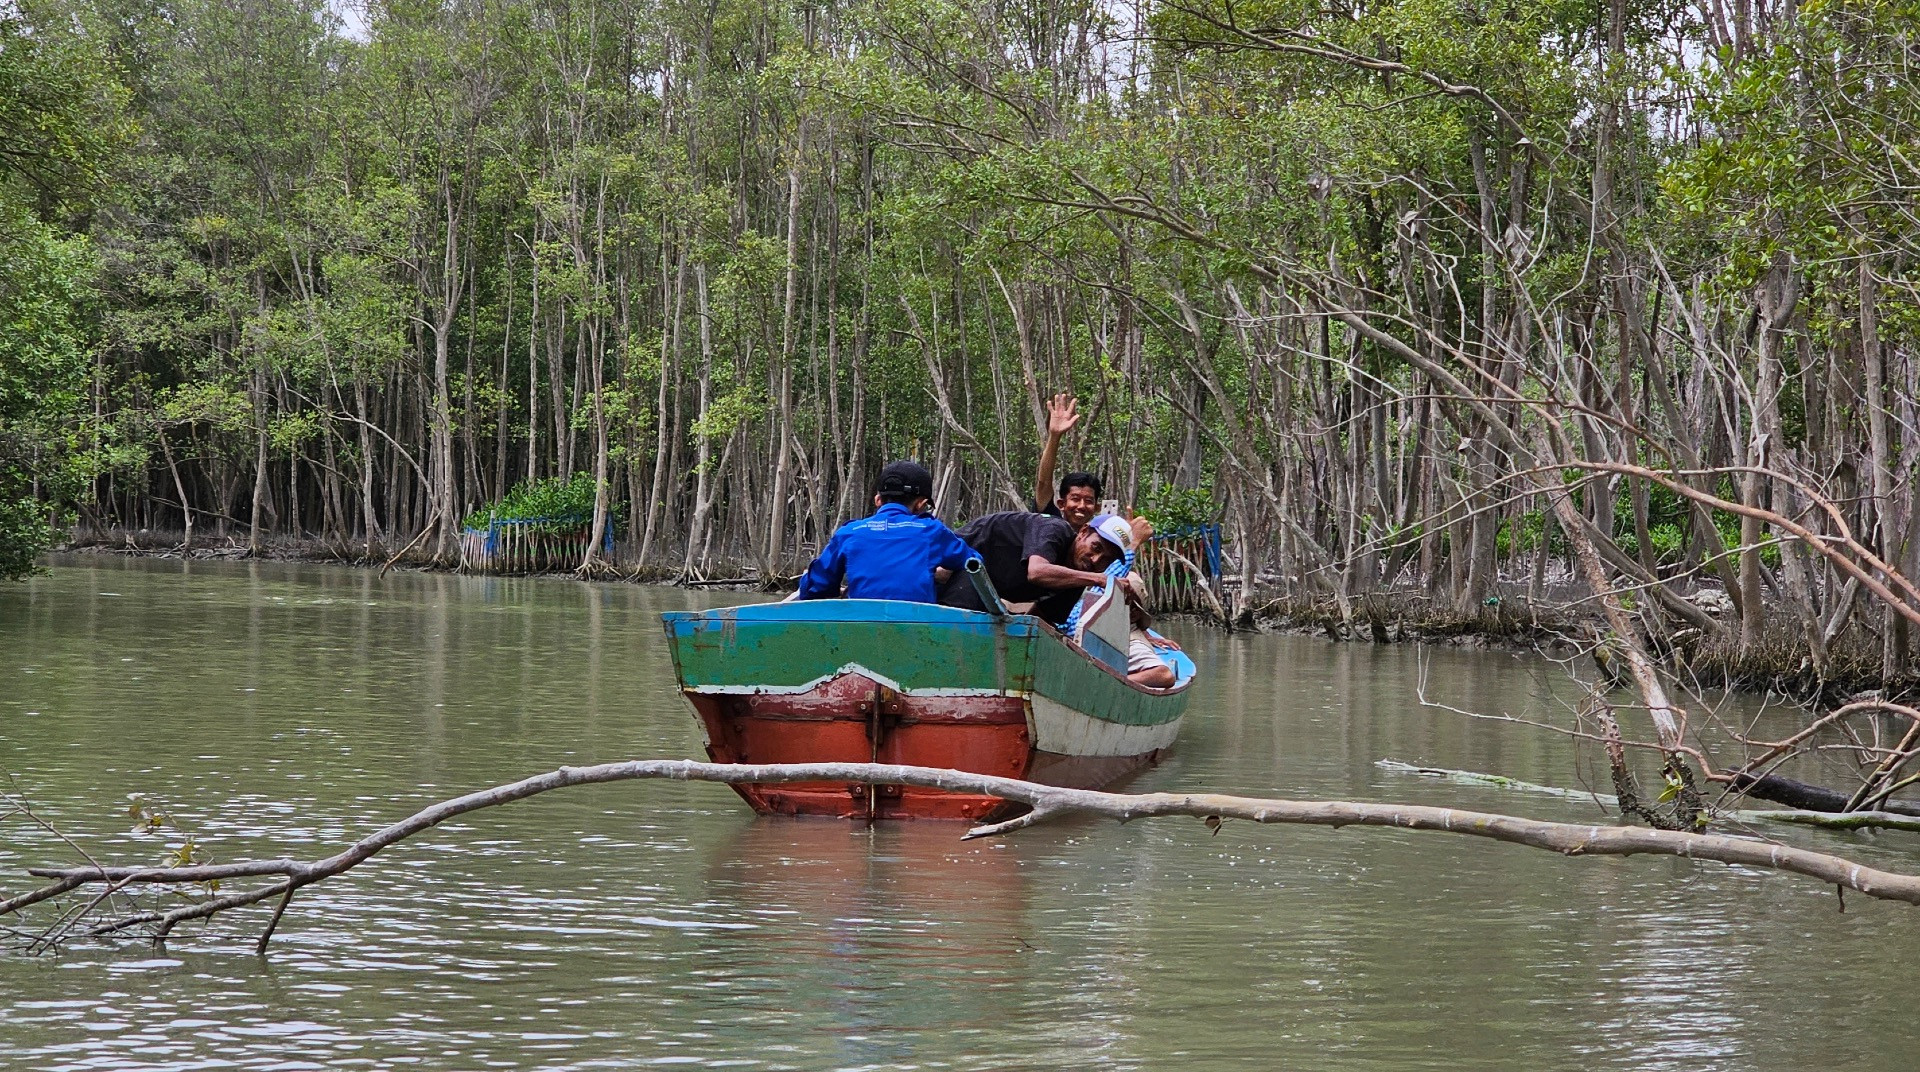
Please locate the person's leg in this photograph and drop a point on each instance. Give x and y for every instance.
(1144, 665)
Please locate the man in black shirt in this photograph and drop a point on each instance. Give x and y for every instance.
(1032, 558)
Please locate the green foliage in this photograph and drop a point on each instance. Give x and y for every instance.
(1669, 523)
(214, 406)
(61, 121)
(290, 431)
(1729, 526)
(45, 347)
(1809, 131)
(60, 126)
(729, 412)
(571, 223)
(1669, 542)
(151, 817)
(24, 530)
(1533, 524)
(1171, 508)
(566, 501)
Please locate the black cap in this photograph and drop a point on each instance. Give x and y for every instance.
(905, 480)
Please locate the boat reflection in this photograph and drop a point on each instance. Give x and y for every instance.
(906, 928)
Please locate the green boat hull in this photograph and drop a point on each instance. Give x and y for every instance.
(877, 680)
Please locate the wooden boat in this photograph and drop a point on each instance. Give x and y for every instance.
(856, 680)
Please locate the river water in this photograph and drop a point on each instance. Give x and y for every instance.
(281, 709)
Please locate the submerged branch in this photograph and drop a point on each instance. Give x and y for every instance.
(1852, 820)
(1492, 781)
(1828, 818)
(1568, 839)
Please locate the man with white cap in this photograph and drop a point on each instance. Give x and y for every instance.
(1034, 558)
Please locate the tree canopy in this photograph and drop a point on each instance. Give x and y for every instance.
(1366, 283)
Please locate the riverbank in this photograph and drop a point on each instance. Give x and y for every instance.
(1567, 626)
(1384, 618)
(1563, 625)
(169, 545)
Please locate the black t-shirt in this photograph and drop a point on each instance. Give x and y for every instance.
(1049, 508)
(1005, 542)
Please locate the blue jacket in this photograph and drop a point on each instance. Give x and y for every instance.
(889, 555)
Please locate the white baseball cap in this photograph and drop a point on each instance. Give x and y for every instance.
(1115, 530)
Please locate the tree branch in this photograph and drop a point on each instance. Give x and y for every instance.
(1565, 838)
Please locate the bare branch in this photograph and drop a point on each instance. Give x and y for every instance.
(1565, 838)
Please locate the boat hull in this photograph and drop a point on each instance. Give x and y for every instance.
(877, 681)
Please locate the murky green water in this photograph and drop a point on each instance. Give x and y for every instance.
(284, 709)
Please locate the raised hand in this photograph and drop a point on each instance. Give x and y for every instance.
(1062, 414)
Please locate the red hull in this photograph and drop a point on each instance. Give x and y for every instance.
(853, 719)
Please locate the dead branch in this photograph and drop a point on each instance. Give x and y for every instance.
(1565, 838)
(1492, 781)
(1859, 820)
(1808, 797)
(1819, 544)
(1874, 790)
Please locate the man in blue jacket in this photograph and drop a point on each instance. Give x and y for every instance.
(891, 553)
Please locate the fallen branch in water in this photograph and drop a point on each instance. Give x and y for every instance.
(1493, 781)
(1828, 818)
(1807, 797)
(1568, 839)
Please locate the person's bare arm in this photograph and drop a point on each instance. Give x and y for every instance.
(1062, 414)
(1154, 677)
(1053, 575)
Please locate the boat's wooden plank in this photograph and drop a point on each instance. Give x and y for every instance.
(1071, 679)
(1062, 729)
(851, 695)
(984, 734)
